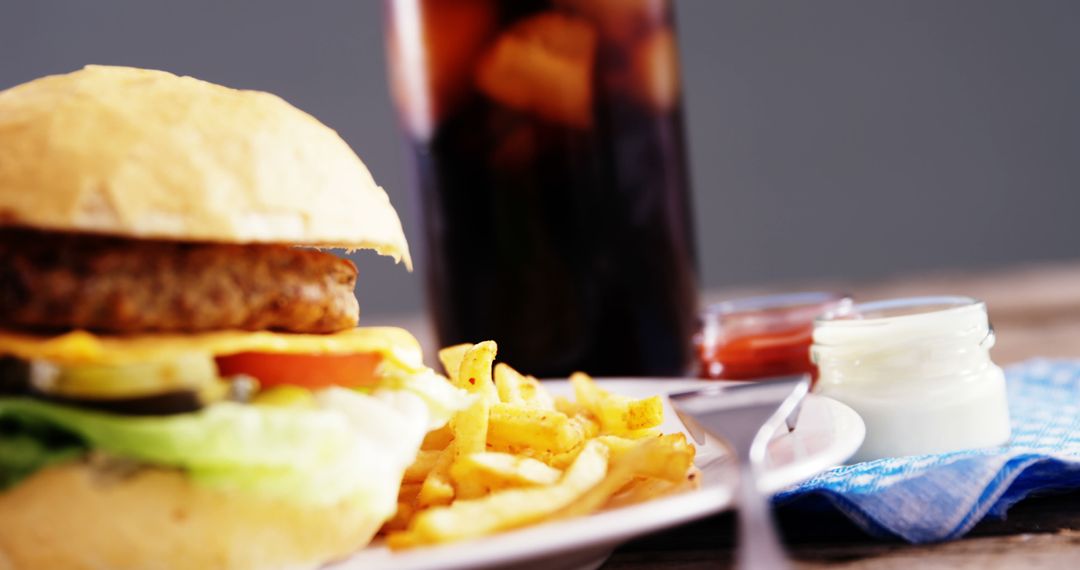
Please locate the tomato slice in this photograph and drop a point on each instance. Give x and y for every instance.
(308, 370)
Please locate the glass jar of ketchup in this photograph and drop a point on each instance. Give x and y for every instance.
(760, 337)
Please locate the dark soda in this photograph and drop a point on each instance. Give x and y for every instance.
(547, 141)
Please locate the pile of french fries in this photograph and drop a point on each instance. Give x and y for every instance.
(518, 456)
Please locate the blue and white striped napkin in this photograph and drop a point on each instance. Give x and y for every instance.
(938, 497)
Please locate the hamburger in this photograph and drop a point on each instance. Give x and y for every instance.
(182, 382)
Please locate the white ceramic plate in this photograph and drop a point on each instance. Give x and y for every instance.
(828, 434)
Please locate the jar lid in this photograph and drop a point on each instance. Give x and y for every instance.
(891, 321)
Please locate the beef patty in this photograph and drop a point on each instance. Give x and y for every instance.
(114, 285)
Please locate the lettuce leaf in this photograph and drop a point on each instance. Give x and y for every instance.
(353, 445)
(443, 399)
(24, 449)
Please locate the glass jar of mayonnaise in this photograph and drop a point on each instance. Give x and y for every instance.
(918, 371)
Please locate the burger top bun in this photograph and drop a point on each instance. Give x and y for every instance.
(140, 153)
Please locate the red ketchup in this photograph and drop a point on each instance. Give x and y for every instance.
(761, 337)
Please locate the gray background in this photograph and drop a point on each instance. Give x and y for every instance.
(829, 139)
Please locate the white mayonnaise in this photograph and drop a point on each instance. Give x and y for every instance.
(919, 373)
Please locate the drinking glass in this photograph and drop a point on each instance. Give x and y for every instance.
(546, 139)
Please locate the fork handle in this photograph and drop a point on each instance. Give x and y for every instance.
(759, 546)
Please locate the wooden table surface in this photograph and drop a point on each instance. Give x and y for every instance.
(1035, 311)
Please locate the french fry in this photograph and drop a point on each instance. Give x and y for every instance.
(421, 466)
(402, 540)
(642, 414)
(508, 384)
(644, 489)
(586, 392)
(588, 426)
(618, 445)
(516, 388)
(402, 516)
(471, 428)
(621, 472)
(409, 491)
(558, 460)
(671, 465)
(439, 439)
(503, 470)
(513, 428)
(535, 395)
(647, 489)
(437, 488)
(451, 357)
(617, 414)
(470, 425)
(506, 509)
(516, 455)
(568, 406)
(474, 374)
(643, 433)
(558, 457)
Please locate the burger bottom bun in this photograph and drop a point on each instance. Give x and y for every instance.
(76, 516)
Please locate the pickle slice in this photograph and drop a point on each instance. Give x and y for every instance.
(14, 376)
(165, 404)
(193, 372)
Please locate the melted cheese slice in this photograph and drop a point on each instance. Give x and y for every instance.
(396, 345)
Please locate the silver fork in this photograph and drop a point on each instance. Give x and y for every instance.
(747, 416)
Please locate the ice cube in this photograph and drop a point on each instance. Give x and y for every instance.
(654, 75)
(619, 21)
(543, 65)
(432, 46)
